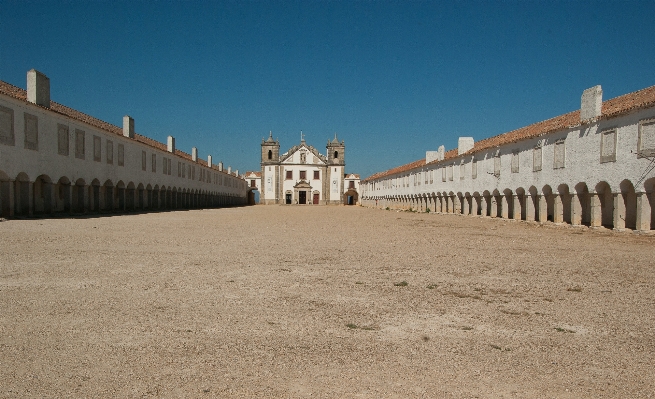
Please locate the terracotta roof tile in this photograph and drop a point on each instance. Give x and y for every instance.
(610, 109)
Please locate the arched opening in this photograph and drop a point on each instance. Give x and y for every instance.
(130, 197)
(22, 195)
(606, 204)
(477, 203)
(563, 202)
(270, 154)
(141, 196)
(520, 212)
(497, 204)
(547, 208)
(486, 203)
(94, 195)
(120, 196)
(581, 205)
(43, 195)
(628, 203)
(336, 154)
(63, 195)
(78, 200)
(508, 204)
(649, 186)
(108, 189)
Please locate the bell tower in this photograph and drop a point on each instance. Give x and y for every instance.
(336, 164)
(270, 150)
(336, 152)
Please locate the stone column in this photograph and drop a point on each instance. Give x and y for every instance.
(484, 206)
(576, 210)
(596, 210)
(543, 208)
(504, 212)
(643, 212)
(494, 206)
(530, 210)
(466, 208)
(69, 204)
(619, 212)
(558, 209)
(30, 198)
(516, 207)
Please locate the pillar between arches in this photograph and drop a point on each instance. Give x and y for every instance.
(558, 209)
(12, 200)
(516, 207)
(643, 212)
(484, 205)
(494, 206)
(543, 208)
(576, 210)
(619, 212)
(465, 210)
(530, 211)
(595, 210)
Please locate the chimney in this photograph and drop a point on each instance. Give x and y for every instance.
(171, 144)
(236, 173)
(229, 170)
(431, 156)
(220, 166)
(441, 153)
(38, 88)
(591, 103)
(209, 161)
(194, 154)
(464, 144)
(128, 126)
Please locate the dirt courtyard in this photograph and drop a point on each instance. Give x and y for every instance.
(338, 302)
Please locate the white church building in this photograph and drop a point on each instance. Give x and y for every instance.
(304, 176)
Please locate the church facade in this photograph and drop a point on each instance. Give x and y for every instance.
(302, 175)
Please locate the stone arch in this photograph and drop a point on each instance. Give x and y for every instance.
(43, 195)
(605, 204)
(459, 204)
(507, 200)
(62, 195)
(130, 196)
(477, 203)
(546, 208)
(520, 205)
(486, 203)
(79, 200)
(562, 201)
(141, 196)
(108, 195)
(496, 204)
(581, 205)
(22, 194)
(626, 212)
(119, 196)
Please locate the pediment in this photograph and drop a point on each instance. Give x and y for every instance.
(302, 184)
(312, 157)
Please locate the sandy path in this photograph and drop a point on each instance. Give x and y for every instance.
(301, 301)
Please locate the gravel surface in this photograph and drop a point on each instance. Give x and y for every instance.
(302, 301)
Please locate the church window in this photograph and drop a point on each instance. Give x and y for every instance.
(252, 183)
(336, 154)
(351, 184)
(303, 175)
(270, 154)
(289, 174)
(317, 175)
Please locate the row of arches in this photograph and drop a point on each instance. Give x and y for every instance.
(578, 205)
(43, 196)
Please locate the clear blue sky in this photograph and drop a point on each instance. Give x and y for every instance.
(393, 79)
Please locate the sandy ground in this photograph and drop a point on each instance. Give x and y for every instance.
(312, 302)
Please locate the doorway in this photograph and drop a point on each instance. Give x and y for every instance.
(287, 199)
(315, 201)
(302, 197)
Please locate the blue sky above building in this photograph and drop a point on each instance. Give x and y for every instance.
(393, 79)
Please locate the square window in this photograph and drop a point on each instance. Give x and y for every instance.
(31, 132)
(646, 140)
(79, 143)
(608, 146)
(7, 126)
(303, 175)
(289, 175)
(351, 184)
(317, 175)
(450, 172)
(62, 139)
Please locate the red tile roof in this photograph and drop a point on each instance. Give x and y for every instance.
(611, 108)
(256, 174)
(20, 94)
